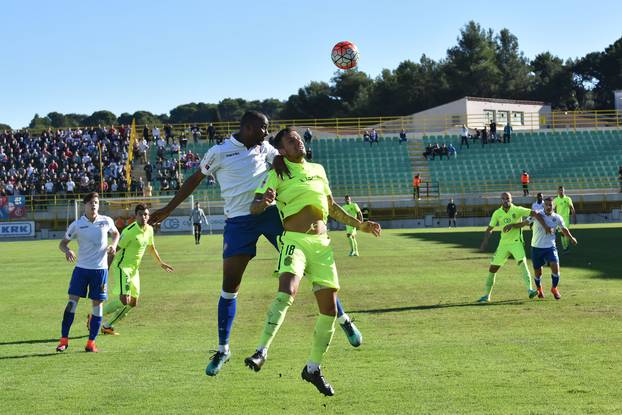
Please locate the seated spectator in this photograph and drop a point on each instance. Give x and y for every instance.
(165, 185)
(211, 180)
(161, 143)
(403, 138)
(373, 137)
(428, 152)
(174, 148)
(84, 184)
(477, 136)
(183, 141)
(366, 138)
(436, 151)
(444, 151)
(309, 155)
(452, 151)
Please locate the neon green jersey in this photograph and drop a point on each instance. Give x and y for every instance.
(132, 245)
(515, 214)
(307, 186)
(563, 205)
(352, 209)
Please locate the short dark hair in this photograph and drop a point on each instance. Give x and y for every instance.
(548, 199)
(252, 117)
(346, 196)
(90, 196)
(278, 138)
(139, 207)
(560, 187)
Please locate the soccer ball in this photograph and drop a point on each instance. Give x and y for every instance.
(345, 55)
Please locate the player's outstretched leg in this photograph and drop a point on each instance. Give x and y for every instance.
(274, 320)
(490, 282)
(522, 266)
(227, 305)
(116, 311)
(352, 332)
(355, 246)
(68, 316)
(351, 243)
(322, 336)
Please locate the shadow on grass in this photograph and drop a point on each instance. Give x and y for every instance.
(26, 356)
(38, 341)
(437, 306)
(597, 249)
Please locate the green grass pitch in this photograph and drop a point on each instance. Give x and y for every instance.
(428, 348)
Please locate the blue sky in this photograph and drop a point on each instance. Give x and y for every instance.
(123, 56)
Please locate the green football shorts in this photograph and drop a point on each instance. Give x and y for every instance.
(310, 256)
(126, 281)
(350, 230)
(503, 252)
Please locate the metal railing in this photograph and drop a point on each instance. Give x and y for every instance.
(547, 185)
(392, 125)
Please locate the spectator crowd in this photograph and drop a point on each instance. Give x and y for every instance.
(67, 161)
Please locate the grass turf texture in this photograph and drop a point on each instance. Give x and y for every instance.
(428, 348)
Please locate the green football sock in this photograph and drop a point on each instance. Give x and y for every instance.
(351, 242)
(118, 315)
(112, 306)
(490, 282)
(322, 335)
(355, 245)
(276, 315)
(526, 275)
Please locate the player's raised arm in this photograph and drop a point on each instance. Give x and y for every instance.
(182, 194)
(336, 212)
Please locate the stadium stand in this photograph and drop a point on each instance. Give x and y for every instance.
(587, 159)
(584, 159)
(354, 166)
(60, 161)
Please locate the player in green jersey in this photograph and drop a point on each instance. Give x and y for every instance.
(135, 239)
(304, 201)
(564, 208)
(510, 217)
(353, 210)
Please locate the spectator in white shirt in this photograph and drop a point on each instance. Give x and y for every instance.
(71, 185)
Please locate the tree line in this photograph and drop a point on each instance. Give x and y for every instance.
(482, 63)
